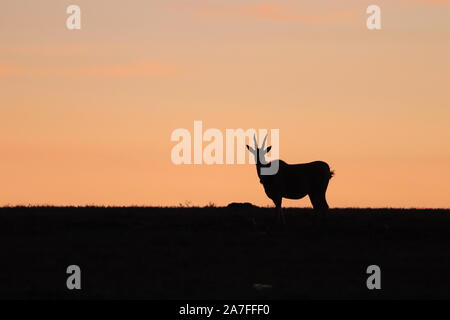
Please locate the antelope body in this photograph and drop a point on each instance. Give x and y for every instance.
(293, 181)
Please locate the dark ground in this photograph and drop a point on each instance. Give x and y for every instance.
(211, 253)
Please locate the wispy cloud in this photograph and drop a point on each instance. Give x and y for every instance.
(64, 50)
(427, 3)
(437, 1)
(137, 69)
(272, 11)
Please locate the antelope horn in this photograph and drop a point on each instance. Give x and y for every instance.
(256, 142)
(264, 142)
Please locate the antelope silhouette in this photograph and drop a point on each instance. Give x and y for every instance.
(293, 181)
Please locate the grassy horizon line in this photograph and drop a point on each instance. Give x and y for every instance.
(182, 206)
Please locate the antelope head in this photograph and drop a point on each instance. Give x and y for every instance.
(259, 153)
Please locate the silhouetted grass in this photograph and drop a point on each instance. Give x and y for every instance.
(216, 252)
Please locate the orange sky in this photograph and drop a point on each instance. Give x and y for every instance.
(86, 115)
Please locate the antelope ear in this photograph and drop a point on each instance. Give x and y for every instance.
(268, 149)
(250, 148)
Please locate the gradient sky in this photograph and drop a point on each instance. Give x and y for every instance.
(86, 116)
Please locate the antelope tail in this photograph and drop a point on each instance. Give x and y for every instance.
(331, 174)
